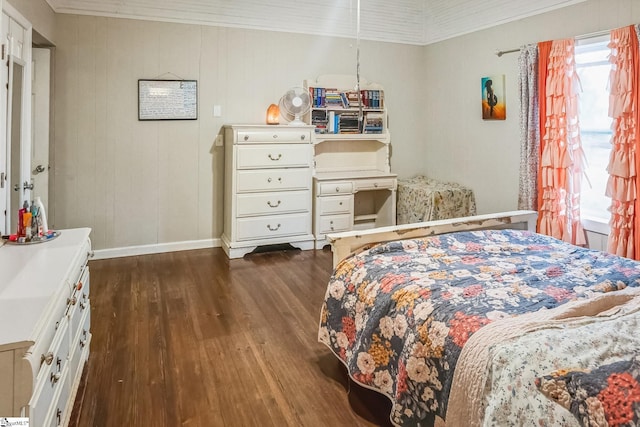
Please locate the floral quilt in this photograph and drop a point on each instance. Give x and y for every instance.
(397, 315)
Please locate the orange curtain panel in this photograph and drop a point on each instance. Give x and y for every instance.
(623, 161)
(562, 158)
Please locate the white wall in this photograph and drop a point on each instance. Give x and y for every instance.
(484, 155)
(39, 13)
(139, 183)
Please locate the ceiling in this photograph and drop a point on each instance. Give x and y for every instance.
(417, 22)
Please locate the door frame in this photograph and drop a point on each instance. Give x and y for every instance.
(25, 145)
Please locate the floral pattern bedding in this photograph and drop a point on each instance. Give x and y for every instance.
(606, 396)
(398, 314)
(562, 376)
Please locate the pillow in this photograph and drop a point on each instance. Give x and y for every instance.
(606, 396)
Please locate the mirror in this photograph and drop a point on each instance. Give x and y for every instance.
(14, 136)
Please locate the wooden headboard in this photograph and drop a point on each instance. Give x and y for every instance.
(344, 244)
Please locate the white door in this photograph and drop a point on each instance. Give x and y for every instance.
(4, 162)
(15, 116)
(40, 103)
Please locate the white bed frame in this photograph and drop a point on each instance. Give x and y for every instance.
(344, 244)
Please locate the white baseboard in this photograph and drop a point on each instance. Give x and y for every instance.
(156, 249)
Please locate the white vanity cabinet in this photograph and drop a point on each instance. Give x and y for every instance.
(267, 189)
(44, 326)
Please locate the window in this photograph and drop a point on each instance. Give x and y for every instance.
(593, 66)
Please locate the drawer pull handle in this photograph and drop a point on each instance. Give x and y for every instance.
(275, 158)
(340, 203)
(337, 189)
(375, 184)
(55, 377)
(72, 301)
(302, 137)
(273, 206)
(246, 137)
(46, 358)
(279, 180)
(82, 305)
(273, 229)
(275, 135)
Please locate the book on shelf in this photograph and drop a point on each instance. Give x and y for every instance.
(337, 111)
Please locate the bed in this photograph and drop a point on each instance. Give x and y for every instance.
(481, 321)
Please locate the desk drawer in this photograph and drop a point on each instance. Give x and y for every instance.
(375, 184)
(335, 223)
(335, 204)
(335, 188)
(277, 135)
(267, 227)
(273, 156)
(273, 203)
(273, 180)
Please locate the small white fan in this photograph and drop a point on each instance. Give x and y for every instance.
(294, 104)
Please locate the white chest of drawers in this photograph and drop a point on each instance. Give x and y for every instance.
(44, 327)
(267, 189)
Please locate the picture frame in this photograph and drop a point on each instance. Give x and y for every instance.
(493, 97)
(167, 99)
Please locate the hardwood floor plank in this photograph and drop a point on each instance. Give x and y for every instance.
(195, 339)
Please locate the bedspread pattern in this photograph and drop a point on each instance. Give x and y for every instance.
(398, 314)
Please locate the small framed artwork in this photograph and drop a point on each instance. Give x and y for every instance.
(167, 99)
(493, 98)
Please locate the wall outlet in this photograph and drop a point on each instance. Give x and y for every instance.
(217, 111)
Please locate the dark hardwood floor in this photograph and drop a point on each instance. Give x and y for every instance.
(195, 339)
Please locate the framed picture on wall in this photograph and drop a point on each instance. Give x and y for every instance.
(493, 98)
(167, 99)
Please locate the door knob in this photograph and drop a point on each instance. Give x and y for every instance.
(39, 169)
(27, 186)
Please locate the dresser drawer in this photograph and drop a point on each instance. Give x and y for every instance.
(253, 204)
(335, 223)
(56, 416)
(334, 204)
(280, 135)
(268, 227)
(50, 376)
(79, 303)
(375, 184)
(273, 180)
(273, 156)
(79, 345)
(335, 188)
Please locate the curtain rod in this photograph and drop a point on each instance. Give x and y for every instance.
(499, 52)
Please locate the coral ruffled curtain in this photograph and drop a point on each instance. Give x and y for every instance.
(622, 186)
(562, 158)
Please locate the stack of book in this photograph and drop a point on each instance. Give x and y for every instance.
(373, 123)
